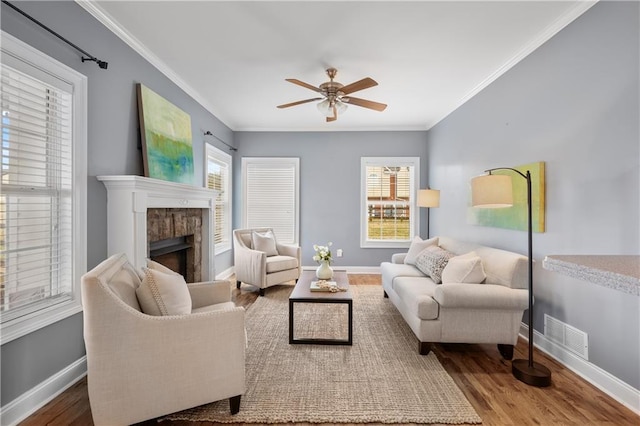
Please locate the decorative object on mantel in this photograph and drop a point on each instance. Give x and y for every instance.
(619, 272)
(496, 191)
(515, 216)
(165, 129)
(428, 198)
(323, 257)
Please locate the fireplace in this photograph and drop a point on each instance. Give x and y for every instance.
(143, 210)
(176, 254)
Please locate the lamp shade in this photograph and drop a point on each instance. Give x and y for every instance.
(428, 198)
(491, 191)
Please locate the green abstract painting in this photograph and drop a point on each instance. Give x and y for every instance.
(515, 217)
(167, 149)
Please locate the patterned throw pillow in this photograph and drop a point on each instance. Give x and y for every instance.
(432, 261)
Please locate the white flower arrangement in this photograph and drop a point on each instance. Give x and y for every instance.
(323, 253)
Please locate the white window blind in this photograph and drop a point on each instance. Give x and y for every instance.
(271, 196)
(219, 178)
(39, 258)
(389, 212)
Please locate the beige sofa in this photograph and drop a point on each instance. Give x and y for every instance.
(490, 312)
(142, 366)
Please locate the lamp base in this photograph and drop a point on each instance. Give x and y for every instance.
(538, 375)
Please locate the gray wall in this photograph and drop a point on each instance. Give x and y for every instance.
(330, 183)
(113, 139)
(572, 103)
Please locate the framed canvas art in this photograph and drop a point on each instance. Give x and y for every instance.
(167, 149)
(515, 217)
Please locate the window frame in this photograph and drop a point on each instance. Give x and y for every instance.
(211, 152)
(295, 162)
(414, 220)
(36, 62)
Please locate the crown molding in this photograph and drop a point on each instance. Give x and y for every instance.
(112, 25)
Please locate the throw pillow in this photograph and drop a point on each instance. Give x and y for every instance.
(152, 264)
(432, 261)
(416, 247)
(264, 242)
(163, 294)
(466, 268)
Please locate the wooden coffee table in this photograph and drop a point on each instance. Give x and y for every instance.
(302, 294)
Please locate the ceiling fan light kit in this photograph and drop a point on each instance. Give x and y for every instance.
(335, 99)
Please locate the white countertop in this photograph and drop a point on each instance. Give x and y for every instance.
(620, 272)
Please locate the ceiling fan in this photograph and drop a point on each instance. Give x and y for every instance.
(334, 98)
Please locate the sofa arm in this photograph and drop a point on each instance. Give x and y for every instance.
(481, 296)
(209, 293)
(250, 266)
(288, 250)
(398, 257)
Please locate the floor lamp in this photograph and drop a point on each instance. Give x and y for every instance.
(495, 191)
(428, 198)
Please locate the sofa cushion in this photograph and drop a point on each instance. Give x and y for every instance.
(389, 271)
(215, 307)
(265, 242)
(417, 246)
(466, 268)
(281, 263)
(416, 293)
(432, 261)
(163, 294)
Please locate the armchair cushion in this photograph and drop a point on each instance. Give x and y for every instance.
(163, 294)
(281, 263)
(265, 242)
(466, 268)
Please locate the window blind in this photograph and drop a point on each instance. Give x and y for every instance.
(36, 201)
(218, 179)
(271, 196)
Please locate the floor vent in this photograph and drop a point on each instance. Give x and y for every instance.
(568, 337)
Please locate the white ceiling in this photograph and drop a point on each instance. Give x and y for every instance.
(428, 57)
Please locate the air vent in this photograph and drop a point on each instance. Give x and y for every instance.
(567, 336)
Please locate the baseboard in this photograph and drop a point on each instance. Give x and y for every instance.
(350, 269)
(35, 398)
(622, 392)
(226, 274)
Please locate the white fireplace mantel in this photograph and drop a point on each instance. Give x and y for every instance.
(129, 197)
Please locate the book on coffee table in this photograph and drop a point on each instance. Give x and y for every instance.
(326, 286)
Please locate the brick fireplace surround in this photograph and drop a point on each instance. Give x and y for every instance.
(141, 210)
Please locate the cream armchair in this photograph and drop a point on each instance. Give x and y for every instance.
(141, 366)
(263, 269)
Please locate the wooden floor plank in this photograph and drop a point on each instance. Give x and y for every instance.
(479, 370)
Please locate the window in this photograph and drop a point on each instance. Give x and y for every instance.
(43, 189)
(389, 216)
(219, 178)
(271, 196)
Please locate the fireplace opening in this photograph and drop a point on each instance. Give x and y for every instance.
(174, 253)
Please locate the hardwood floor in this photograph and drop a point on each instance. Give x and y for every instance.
(484, 377)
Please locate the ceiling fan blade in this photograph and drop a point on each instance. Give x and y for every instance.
(303, 84)
(364, 103)
(365, 83)
(298, 103)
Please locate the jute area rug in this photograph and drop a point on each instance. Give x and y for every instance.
(380, 379)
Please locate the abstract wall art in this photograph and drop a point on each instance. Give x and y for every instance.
(167, 149)
(515, 217)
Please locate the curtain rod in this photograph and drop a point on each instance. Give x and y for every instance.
(89, 57)
(208, 133)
